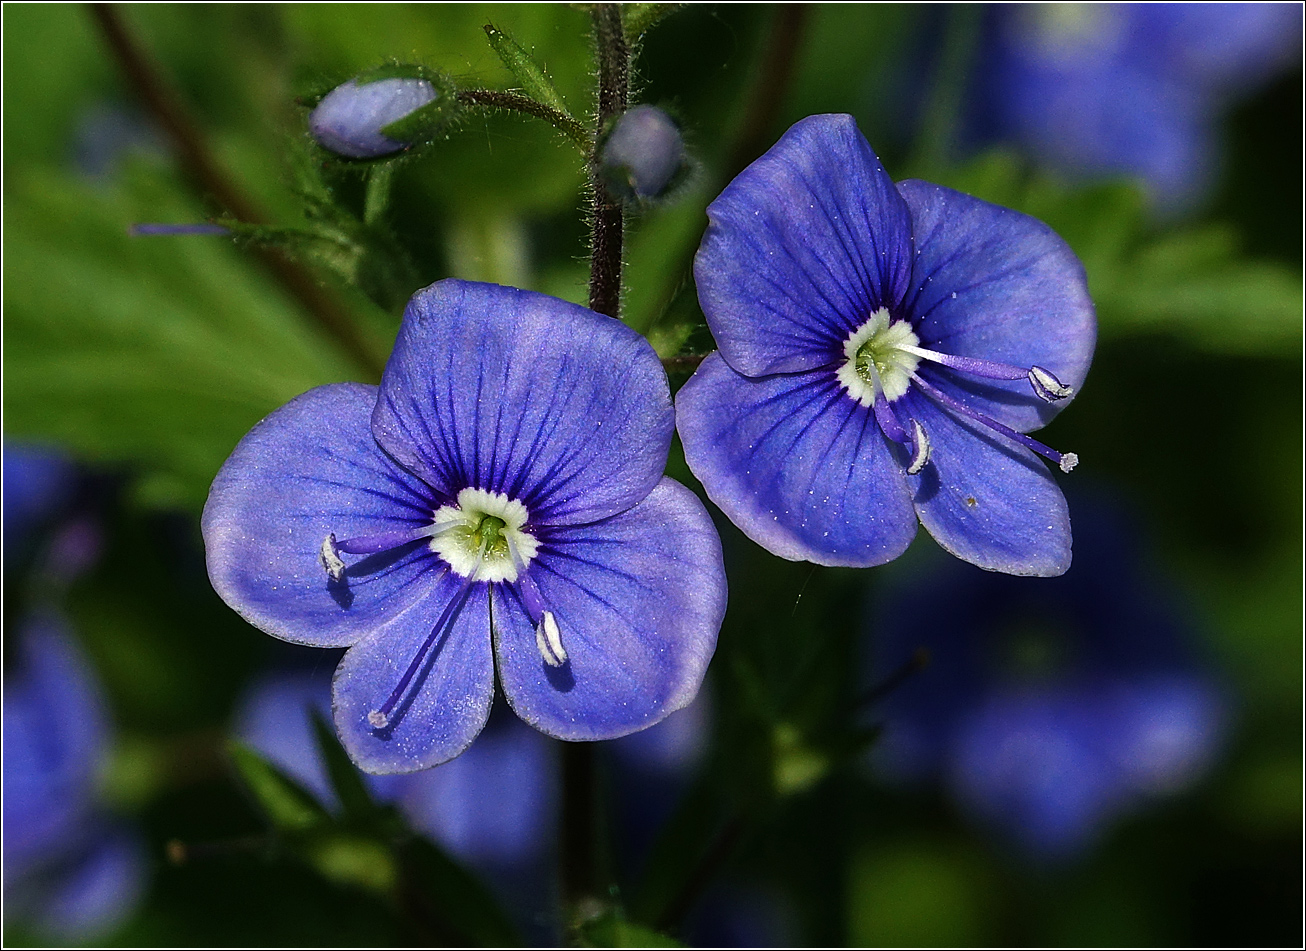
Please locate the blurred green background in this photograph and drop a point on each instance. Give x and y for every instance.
(150, 358)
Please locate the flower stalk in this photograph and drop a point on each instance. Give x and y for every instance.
(607, 216)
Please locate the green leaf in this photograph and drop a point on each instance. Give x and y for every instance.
(1193, 284)
(534, 81)
(288, 805)
(638, 18)
(614, 931)
(158, 352)
(346, 781)
(451, 898)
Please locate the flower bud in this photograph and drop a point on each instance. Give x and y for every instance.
(643, 154)
(367, 118)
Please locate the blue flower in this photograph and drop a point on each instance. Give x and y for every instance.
(1128, 88)
(67, 867)
(1050, 706)
(350, 118)
(883, 351)
(496, 504)
(38, 483)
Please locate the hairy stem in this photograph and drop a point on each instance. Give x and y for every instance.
(511, 101)
(167, 109)
(607, 217)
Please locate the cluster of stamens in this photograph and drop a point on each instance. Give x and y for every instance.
(882, 358)
(482, 538)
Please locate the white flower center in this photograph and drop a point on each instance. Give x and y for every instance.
(482, 536)
(878, 361)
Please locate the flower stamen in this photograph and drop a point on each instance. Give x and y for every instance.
(1065, 460)
(1044, 382)
(548, 637)
(381, 718)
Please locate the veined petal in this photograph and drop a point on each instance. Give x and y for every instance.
(988, 500)
(797, 464)
(638, 599)
(446, 703)
(802, 247)
(308, 470)
(992, 283)
(510, 391)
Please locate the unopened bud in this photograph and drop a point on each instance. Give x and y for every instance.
(368, 118)
(644, 154)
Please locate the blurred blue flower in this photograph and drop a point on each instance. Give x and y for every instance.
(492, 807)
(650, 773)
(504, 487)
(883, 351)
(67, 867)
(106, 134)
(1128, 88)
(349, 119)
(643, 153)
(38, 482)
(1050, 705)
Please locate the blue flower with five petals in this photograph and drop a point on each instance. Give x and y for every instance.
(884, 349)
(496, 504)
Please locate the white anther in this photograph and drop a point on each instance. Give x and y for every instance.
(1047, 386)
(330, 558)
(378, 720)
(1068, 461)
(549, 641)
(920, 448)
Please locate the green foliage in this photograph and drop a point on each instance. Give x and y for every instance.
(614, 931)
(1190, 282)
(160, 353)
(347, 783)
(534, 81)
(288, 805)
(442, 889)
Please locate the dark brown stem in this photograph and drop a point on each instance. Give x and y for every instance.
(168, 110)
(919, 660)
(718, 851)
(775, 69)
(511, 101)
(607, 216)
(579, 828)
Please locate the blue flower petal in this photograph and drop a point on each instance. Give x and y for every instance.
(98, 891)
(309, 469)
(992, 283)
(446, 703)
(493, 807)
(988, 500)
(55, 735)
(638, 600)
(510, 391)
(802, 247)
(796, 464)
